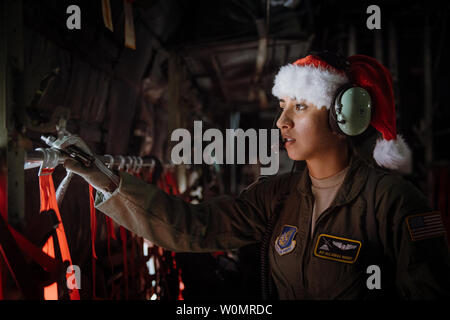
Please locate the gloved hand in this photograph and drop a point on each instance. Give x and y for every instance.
(92, 175)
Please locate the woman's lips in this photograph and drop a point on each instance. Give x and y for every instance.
(288, 141)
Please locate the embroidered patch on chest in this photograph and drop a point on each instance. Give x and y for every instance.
(337, 248)
(285, 242)
(426, 225)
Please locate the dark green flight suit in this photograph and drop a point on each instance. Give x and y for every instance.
(377, 218)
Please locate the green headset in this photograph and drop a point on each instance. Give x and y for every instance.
(351, 107)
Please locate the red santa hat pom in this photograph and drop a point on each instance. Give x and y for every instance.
(390, 151)
(393, 154)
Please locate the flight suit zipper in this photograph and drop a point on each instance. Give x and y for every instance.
(320, 218)
(310, 238)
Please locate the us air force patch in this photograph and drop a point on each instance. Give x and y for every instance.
(426, 225)
(337, 249)
(285, 242)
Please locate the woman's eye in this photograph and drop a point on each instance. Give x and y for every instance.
(299, 107)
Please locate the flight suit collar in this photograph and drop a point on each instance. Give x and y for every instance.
(351, 186)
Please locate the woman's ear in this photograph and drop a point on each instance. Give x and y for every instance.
(329, 125)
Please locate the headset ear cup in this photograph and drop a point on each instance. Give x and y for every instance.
(354, 105)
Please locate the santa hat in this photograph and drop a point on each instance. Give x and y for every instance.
(315, 81)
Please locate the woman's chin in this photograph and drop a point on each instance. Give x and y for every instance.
(295, 156)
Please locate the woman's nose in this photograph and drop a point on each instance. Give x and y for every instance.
(284, 121)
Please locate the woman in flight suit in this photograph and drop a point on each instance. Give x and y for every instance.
(340, 227)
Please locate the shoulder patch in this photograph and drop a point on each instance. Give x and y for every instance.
(425, 225)
(285, 242)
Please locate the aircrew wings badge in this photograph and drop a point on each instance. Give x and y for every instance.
(337, 248)
(285, 242)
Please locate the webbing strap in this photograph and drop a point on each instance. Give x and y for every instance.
(48, 202)
(123, 237)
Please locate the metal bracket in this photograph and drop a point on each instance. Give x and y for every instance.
(130, 164)
(121, 163)
(111, 161)
(139, 164)
(135, 163)
(51, 160)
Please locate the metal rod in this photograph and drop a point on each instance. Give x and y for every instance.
(33, 159)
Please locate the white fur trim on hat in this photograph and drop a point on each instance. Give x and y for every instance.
(393, 154)
(315, 85)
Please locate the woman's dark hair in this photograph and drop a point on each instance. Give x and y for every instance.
(334, 59)
(362, 145)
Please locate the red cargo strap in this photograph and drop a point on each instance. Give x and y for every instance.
(111, 234)
(48, 202)
(123, 237)
(93, 235)
(133, 256)
(172, 183)
(110, 228)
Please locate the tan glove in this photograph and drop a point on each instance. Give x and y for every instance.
(92, 175)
